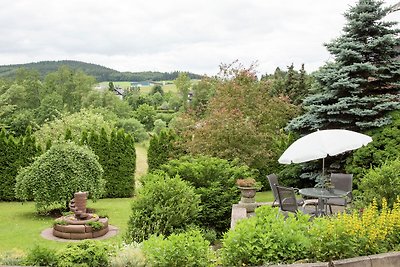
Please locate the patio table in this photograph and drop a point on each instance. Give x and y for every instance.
(322, 194)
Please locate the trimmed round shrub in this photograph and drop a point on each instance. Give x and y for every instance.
(88, 253)
(56, 175)
(163, 205)
(184, 249)
(215, 181)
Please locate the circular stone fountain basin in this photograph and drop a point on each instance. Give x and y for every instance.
(78, 229)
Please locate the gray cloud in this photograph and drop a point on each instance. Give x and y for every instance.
(172, 35)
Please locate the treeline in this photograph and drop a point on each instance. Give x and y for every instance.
(101, 73)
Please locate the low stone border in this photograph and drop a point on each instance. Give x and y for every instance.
(390, 259)
(48, 234)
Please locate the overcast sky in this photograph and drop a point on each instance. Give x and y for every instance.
(161, 35)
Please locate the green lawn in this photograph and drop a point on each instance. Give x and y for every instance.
(265, 196)
(20, 227)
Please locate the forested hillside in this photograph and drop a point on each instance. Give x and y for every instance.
(99, 72)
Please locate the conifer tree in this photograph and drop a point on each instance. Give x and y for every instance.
(359, 89)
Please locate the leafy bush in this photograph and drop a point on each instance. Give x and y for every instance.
(385, 146)
(184, 249)
(133, 127)
(41, 256)
(88, 253)
(85, 120)
(159, 125)
(57, 174)
(266, 238)
(214, 180)
(130, 255)
(163, 205)
(379, 183)
(349, 235)
(162, 148)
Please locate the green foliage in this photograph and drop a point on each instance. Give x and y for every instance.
(85, 120)
(183, 85)
(108, 101)
(88, 253)
(15, 153)
(380, 182)
(56, 175)
(361, 87)
(184, 249)
(133, 127)
(146, 115)
(159, 125)
(162, 148)
(95, 225)
(41, 256)
(385, 146)
(242, 121)
(130, 255)
(163, 205)
(266, 238)
(117, 156)
(214, 180)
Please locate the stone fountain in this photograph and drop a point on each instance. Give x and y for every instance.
(80, 224)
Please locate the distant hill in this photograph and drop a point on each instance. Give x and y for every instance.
(101, 73)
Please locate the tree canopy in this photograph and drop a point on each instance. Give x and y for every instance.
(359, 89)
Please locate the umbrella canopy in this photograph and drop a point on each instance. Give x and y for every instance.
(323, 143)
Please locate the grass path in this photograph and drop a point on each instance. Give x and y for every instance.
(141, 159)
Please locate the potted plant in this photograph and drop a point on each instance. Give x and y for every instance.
(248, 187)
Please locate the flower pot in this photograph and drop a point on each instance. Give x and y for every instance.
(248, 192)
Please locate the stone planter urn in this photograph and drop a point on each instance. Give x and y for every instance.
(248, 188)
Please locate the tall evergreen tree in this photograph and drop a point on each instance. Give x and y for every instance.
(359, 89)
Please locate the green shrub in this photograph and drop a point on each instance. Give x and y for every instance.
(41, 256)
(214, 180)
(130, 255)
(163, 205)
(117, 156)
(57, 174)
(379, 183)
(184, 249)
(265, 239)
(162, 148)
(88, 253)
(385, 146)
(133, 127)
(15, 153)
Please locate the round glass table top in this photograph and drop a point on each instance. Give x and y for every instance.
(322, 192)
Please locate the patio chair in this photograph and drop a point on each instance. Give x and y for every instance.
(273, 182)
(287, 200)
(343, 182)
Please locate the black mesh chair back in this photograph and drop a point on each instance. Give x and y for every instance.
(273, 182)
(343, 182)
(287, 199)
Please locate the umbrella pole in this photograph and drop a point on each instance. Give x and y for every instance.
(323, 166)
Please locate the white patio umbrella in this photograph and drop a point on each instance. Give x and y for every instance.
(321, 144)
